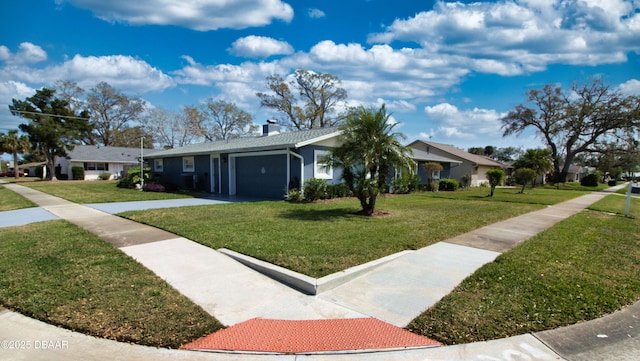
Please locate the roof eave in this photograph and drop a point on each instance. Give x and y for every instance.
(317, 139)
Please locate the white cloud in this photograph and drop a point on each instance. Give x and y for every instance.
(316, 13)
(453, 123)
(630, 87)
(260, 47)
(12, 90)
(122, 72)
(201, 15)
(28, 53)
(520, 36)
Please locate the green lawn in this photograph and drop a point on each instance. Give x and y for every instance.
(97, 192)
(62, 275)
(10, 200)
(584, 267)
(537, 195)
(323, 238)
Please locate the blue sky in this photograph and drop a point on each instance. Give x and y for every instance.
(447, 70)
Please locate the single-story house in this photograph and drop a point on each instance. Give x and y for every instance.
(422, 157)
(101, 159)
(576, 173)
(465, 163)
(264, 166)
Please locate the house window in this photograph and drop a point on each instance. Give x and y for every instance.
(322, 170)
(188, 165)
(158, 165)
(96, 166)
(435, 174)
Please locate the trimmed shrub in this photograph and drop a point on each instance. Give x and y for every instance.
(465, 181)
(590, 180)
(405, 184)
(448, 185)
(294, 195)
(153, 187)
(339, 190)
(315, 189)
(104, 176)
(77, 173)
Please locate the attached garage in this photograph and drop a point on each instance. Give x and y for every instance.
(261, 176)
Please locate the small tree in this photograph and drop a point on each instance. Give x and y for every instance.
(369, 151)
(539, 160)
(524, 176)
(495, 176)
(431, 167)
(14, 144)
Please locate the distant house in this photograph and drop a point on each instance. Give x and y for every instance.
(462, 162)
(576, 173)
(96, 160)
(422, 157)
(263, 166)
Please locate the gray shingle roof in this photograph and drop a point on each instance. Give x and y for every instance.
(430, 157)
(93, 153)
(457, 152)
(272, 142)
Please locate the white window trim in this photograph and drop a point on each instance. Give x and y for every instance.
(186, 161)
(158, 165)
(320, 170)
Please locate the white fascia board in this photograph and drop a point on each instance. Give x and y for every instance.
(318, 139)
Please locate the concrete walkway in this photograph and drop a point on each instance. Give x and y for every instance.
(395, 292)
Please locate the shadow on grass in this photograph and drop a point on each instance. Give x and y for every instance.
(318, 214)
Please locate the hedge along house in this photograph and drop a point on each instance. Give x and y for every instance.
(463, 163)
(96, 160)
(264, 166)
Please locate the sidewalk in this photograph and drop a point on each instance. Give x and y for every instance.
(394, 292)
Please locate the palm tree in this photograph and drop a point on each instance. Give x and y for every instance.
(369, 152)
(14, 144)
(537, 159)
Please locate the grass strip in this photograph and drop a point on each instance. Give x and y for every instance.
(318, 239)
(583, 268)
(98, 192)
(63, 275)
(10, 200)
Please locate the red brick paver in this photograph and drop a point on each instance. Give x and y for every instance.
(286, 336)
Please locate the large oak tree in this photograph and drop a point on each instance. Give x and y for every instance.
(574, 122)
(307, 100)
(53, 128)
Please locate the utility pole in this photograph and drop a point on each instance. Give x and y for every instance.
(141, 164)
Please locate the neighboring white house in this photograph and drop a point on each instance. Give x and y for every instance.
(476, 166)
(96, 160)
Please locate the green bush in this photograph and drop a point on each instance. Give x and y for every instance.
(339, 190)
(465, 181)
(132, 178)
(77, 173)
(448, 185)
(405, 184)
(294, 195)
(315, 189)
(104, 176)
(590, 180)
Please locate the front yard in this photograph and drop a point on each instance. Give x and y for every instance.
(582, 268)
(322, 238)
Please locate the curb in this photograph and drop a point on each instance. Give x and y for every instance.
(309, 285)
